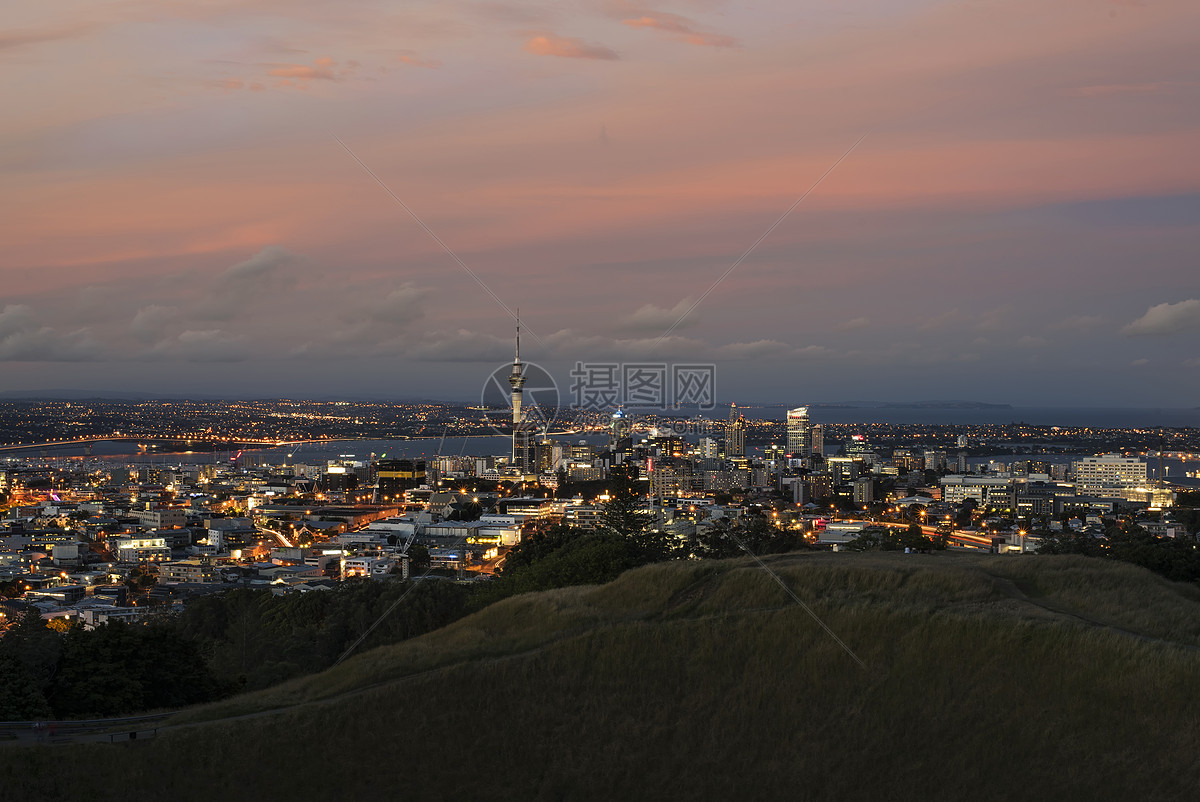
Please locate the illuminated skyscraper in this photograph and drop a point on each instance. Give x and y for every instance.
(735, 434)
(619, 431)
(799, 435)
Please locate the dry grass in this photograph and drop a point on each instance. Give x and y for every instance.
(990, 678)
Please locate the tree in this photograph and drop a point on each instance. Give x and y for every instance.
(756, 534)
(418, 556)
(714, 542)
(1069, 542)
(561, 555)
(966, 512)
(869, 539)
(118, 669)
(35, 646)
(622, 514)
(21, 697)
(563, 490)
(914, 538)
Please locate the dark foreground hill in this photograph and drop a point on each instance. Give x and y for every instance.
(987, 678)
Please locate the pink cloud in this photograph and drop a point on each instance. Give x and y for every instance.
(549, 44)
(679, 28)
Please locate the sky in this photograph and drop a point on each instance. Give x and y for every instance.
(991, 200)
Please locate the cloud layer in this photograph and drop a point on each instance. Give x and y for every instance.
(1028, 188)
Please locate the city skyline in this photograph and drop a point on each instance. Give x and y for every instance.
(1018, 226)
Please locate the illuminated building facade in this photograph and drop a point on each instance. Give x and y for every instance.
(799, 434)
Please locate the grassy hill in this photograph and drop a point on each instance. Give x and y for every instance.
(988, 678)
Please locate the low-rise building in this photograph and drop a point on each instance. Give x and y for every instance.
(187, 571)
(160, 518)
(139, 549)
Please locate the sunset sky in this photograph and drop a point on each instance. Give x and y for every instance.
(1020, 224)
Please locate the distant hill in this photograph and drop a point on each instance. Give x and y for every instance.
(130, 395)
(988, 678)
(78, 395)
(882, 405)
(945, 405)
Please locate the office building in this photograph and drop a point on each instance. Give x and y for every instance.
(799, 435)
(1109, 471)
(735, 435)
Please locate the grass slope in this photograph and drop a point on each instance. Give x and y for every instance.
(989, 678)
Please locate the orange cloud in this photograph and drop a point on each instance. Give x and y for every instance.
(322, 69)
(414, 60)
(567, 47)
(303, 72)
(298, 76)
(294, 76)
(680, 29)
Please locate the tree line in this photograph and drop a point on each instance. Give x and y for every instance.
(217, 645)
(1176, 558)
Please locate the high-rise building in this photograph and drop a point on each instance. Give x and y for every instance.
(619, 431)
(857, 446)
(735, 434)
(935, 460)
(903, 459)
(546, 462)
(817, 436)
(398, 475)
(775, 453)
(799, 435)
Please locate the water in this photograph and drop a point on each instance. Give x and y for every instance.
(1066, 417)
(320, 451)
(316, 452)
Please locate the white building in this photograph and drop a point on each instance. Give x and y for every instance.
(141, 549)
(993, 490)
(1108, 471)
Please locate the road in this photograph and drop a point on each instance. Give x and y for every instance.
(956, 537)
(105, 730)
